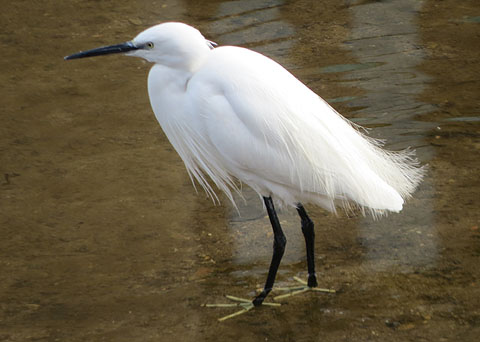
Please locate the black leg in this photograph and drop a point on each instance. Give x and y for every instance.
(309, 235)
(279, 242)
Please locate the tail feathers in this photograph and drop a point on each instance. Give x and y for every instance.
(375, 179)
(381, 180)
(375, 194)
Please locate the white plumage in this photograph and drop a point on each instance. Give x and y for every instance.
(235, 115)
(232, 113)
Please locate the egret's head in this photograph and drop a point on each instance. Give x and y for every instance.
(171, 44)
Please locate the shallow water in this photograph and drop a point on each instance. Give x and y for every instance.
(104, 238)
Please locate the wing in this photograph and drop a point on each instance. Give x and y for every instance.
(273, 133)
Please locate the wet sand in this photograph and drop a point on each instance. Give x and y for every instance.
(105, 239)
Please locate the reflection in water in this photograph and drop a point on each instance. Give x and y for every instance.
(384, 41)
(103, 237)
(257, 25)
(384, 35)
(254, 24)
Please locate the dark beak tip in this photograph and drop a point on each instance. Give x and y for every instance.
(105, 50)
(75, 56)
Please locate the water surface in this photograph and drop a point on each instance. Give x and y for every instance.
(104, 238)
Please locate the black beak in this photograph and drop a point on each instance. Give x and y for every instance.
(105, 50)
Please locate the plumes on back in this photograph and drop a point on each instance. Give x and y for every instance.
(242, 116)
(233, 114)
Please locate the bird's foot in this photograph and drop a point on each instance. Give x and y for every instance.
(245, 304)
(304, 287)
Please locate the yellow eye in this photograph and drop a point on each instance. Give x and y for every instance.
(149, 45)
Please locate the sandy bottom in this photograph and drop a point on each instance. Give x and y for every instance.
(104, 239)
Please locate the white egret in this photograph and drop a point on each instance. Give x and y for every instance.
(235, 115)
